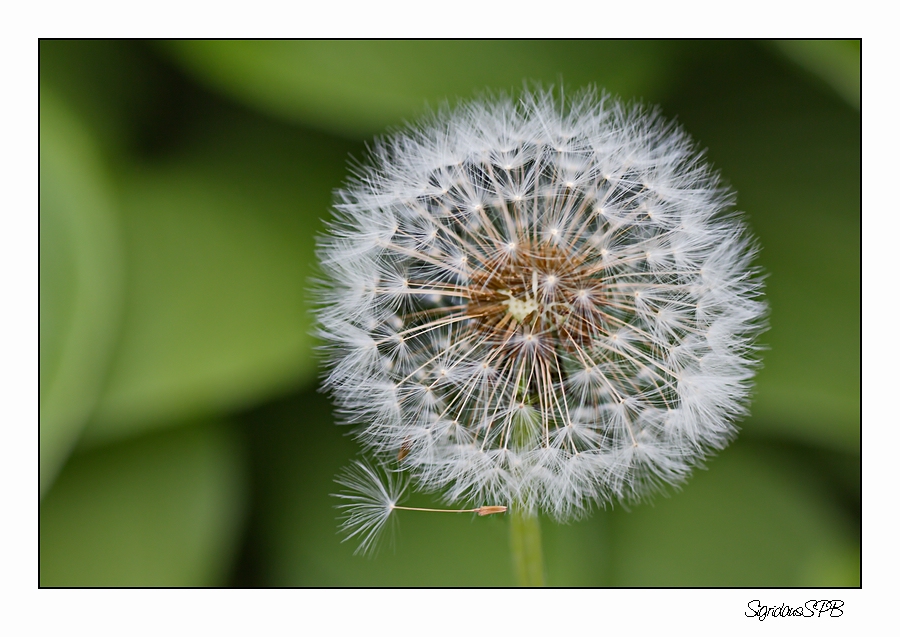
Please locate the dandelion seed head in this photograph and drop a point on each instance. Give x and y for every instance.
(539, 301)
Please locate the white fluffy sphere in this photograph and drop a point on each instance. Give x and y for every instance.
(540, 301)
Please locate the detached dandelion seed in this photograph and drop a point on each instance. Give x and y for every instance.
(541, 303)
(369, 499)
(372, 496)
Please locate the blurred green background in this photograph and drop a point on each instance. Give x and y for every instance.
(182, 438)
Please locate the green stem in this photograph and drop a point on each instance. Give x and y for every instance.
(525, 543)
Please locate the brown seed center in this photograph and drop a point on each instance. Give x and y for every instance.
(541, 287)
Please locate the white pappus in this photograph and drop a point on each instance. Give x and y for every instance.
(540, 301)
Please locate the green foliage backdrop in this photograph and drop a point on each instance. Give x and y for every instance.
(182, 439)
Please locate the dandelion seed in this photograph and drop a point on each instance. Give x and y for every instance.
(575, 269)
(371, 497)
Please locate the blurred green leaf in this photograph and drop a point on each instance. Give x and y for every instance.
(836, 62)
(835, 568)
(109, 84)
(358, 88)
(81, 272)
(746, 522)
(221, 243)
(161, 510)
(794, 158)
(579, 553)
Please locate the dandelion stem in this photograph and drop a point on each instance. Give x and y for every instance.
(525, 544)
